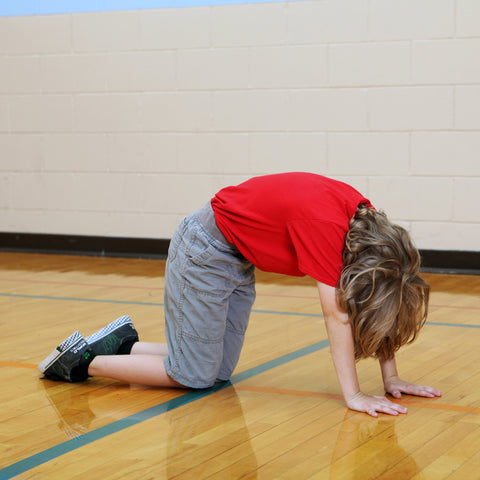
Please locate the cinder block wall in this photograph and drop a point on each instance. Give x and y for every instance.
(119, 123)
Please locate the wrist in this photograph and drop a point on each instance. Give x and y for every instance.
(389, 378)
(388, 368)
(353, 396)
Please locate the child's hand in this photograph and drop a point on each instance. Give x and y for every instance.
(395, 386)
(372, 404)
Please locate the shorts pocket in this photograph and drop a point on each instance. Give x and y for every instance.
(202, 257)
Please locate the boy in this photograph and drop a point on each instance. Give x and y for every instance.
(296, 224)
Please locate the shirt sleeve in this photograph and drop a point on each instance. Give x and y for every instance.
(319, 247)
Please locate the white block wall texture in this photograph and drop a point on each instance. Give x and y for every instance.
(120, 123)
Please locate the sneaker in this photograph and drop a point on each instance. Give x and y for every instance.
(116, 338)
(69, 361)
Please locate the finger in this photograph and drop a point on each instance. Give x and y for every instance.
(392, 412)
(396, 393)
(394, 406)
(372, 412)
(414, 390)
(433, 391)
(425, 393)
(388, 410)
(401, 408)
(386, 406)
(422, 391)
(397, 407)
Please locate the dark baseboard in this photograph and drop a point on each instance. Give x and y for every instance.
(84, 245)
(451, 261)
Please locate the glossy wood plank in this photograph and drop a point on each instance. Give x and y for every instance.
(288, 422)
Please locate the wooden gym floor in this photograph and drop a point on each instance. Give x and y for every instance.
(280, 417)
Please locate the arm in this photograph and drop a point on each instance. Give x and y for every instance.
(395, 386)
(342, 349)
(341, 341)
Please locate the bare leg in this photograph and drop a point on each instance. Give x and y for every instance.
(137, 369)
(149, 348)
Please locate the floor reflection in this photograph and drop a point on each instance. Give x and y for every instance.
(73, 410)
(198, 438)
(211, 436)
(368, 448)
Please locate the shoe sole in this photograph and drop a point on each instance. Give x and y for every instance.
(105, 331)
(64, 347)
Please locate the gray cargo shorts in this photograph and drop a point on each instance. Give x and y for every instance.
(209, 293)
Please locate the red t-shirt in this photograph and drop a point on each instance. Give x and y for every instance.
(290, 223)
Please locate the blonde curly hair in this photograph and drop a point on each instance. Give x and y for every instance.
(380, 287)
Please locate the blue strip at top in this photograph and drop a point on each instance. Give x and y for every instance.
(44, 7)
(155, 304)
